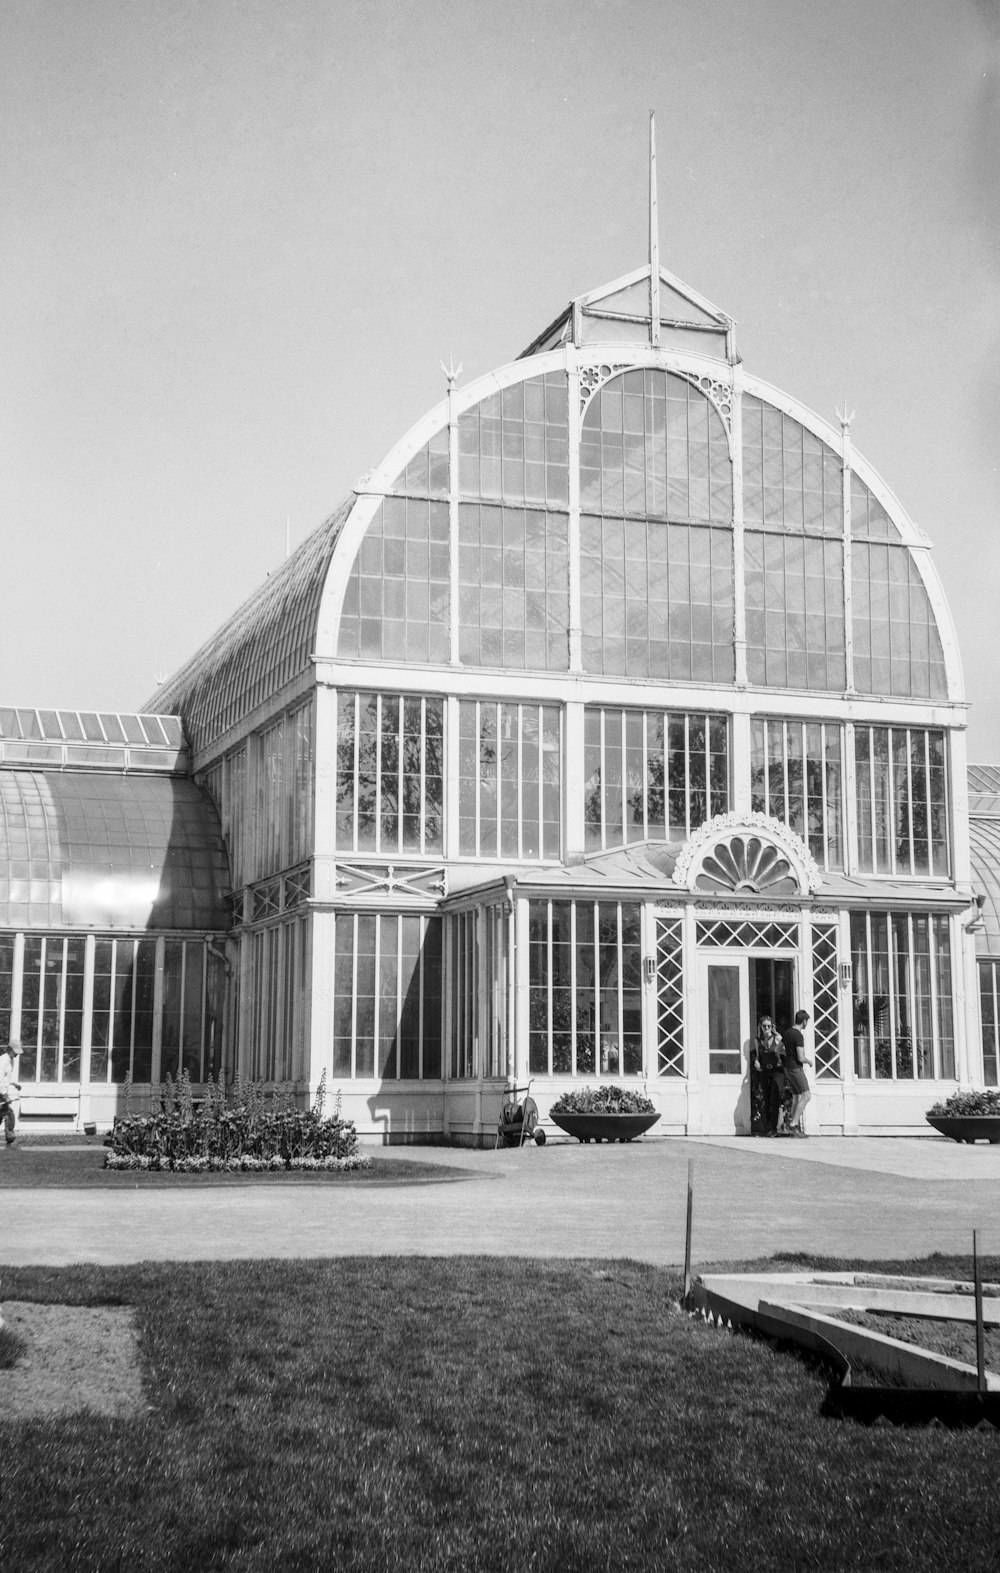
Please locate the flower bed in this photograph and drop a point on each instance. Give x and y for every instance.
(237, 1133)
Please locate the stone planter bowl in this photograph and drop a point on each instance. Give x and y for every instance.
(604, 1127)
(967, 1127)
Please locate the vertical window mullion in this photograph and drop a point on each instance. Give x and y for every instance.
(422, 795)
(62, 1011)
(400, 770)
(548, 990)
(620, 959)
(354, 992)
(572, 986)
(910, 839)
(477, 784)
(871, 992)
(932, 963)
(928, 809)
(134, 990)
(378, 773)
(519, 774)
(399, 999)
(687, 774)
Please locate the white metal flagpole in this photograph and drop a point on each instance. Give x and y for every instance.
(654, 240)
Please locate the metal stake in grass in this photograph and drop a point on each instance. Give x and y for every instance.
(687, 1234)
(977, 1283)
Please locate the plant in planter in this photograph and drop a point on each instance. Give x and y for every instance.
(968, 1116)
(609, 1113)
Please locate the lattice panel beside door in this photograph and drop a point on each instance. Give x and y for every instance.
(669, 997)
(826, 1000)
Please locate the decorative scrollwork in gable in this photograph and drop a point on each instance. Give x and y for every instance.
(592, 377)
(722, 394)
(746, 854)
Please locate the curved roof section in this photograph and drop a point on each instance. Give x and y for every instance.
(94, 851)
(984, 847)
(262, 648)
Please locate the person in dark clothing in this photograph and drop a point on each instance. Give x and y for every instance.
(796, 1060)
(769, 1060)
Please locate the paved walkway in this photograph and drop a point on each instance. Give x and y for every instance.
(865, 1197)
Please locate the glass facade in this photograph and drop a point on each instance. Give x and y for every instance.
(509, 780)
(658, 553)
(902, 801)
(791, 480)
(514, 445)
(652, 774)
(387, 999)
(796, 775)
(654, 446)
(795, 612)
(904, 1027)
(897, 647)
(99, 1009)
(513, 570)
(656, 600)
(989, 1015)
(396, 605)
(390, 773)
(585, 988)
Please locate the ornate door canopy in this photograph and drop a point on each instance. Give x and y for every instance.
(746, 855)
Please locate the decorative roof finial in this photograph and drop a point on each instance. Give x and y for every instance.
(654, 240)
(843, 417)
(451, 371)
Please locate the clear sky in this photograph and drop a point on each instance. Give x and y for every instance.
(239, 236)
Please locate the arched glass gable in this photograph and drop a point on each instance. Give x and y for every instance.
(467, 557)
(653, 445)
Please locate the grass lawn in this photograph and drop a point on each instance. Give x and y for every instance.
(473, 1413)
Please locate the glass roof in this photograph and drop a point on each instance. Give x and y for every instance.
(984, 845)
(258, 651)
(76, 726)
(88, 850)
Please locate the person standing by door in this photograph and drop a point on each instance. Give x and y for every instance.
(796, 1060)
(769, 1059)
(8, 1088)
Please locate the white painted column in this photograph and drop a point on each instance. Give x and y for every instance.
(319, 1053)
(695, 1062)
(846, 1030)
(739, 561)
(739, 763)
(522, 1006)
(87, 1023)
(324, 882)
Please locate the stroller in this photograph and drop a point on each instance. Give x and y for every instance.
(518, 1120)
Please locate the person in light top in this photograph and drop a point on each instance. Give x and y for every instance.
(9, 1088)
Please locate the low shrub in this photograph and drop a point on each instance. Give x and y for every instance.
(602, 1100)
(230, 1133)
(985, 1102)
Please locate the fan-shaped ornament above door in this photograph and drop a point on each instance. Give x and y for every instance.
(746, 855)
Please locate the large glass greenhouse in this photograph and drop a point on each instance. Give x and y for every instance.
(619, 706)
